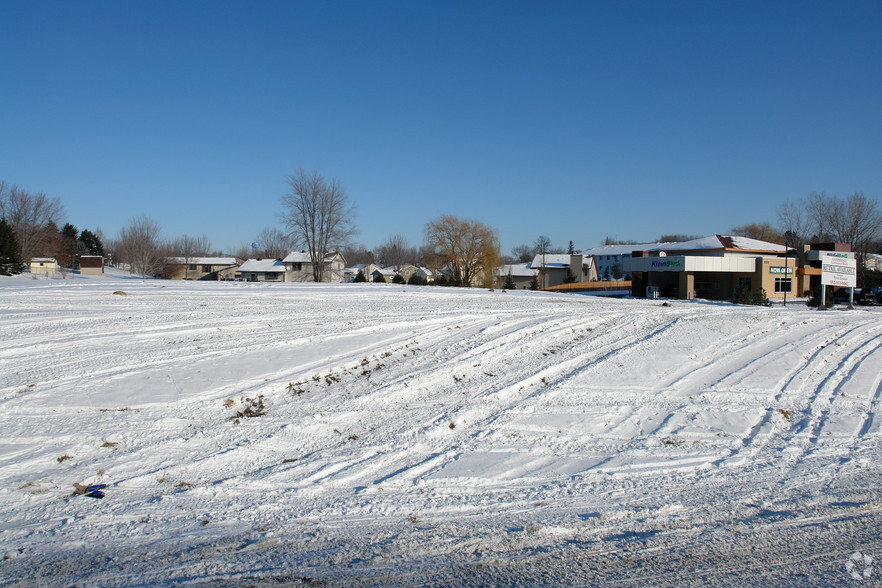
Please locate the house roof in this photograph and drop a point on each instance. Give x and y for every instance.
(518, 270)
(557, 261)
(225, 261)
(262, 266)
(303, 257)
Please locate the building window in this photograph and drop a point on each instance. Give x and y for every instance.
(745, 283)
(297, 267)
(703, 286)
(206, 269)
(193, 267)
(782, 285)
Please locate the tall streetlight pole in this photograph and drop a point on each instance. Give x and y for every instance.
(786, 267)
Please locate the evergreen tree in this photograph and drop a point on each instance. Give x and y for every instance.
(509, 282)
(68, 249)
(398, 279)
(534, 283)
(91, 243)
(359, 277)
(617, 271)
(10, 256)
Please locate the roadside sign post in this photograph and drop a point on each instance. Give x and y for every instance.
(837, 269)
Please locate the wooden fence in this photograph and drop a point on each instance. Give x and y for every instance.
(591, 287)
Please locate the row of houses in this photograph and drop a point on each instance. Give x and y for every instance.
(711, 268)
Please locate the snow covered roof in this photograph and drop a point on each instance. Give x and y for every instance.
(557, 260)
(226, 261)
(517, 270)
(303, 257)
(722, 243)
(551, 260)
(263, 266)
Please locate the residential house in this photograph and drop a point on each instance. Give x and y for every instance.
(559, 268)
(298, 266)
(262, 270)
(427, 274)
(200, 268)
(521, 274)
(382, 274)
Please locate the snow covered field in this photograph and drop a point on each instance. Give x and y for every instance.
(363, 434)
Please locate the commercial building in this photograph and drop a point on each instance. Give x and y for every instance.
(713, 267)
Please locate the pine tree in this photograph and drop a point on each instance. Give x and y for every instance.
(509, 282)
(91, 243)
(10, 256)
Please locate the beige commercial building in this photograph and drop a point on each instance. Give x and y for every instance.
(713, 267)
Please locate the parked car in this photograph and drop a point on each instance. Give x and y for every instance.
(869, 296)
(843, 295)
(866, 296)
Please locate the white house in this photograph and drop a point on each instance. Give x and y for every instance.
(262, 270)
(558, 268)
(521, 274)
(298, 265)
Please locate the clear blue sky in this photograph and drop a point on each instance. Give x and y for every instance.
(576, 120)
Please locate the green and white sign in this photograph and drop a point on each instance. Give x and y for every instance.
(781, 271)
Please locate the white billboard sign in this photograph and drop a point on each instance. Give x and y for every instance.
(838, 270)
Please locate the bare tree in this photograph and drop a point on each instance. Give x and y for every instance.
(674, 238)
(139, 246)
(469, 249)
(523, 253)
(396, 252)
(793, 223)
(358, 254)
(319, 216)
(189, 248)
(542, 244)
(761, 231)
(855, 219)
(33, 217)
(274, 243)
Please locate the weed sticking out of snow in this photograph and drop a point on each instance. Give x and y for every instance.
(254, 407)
